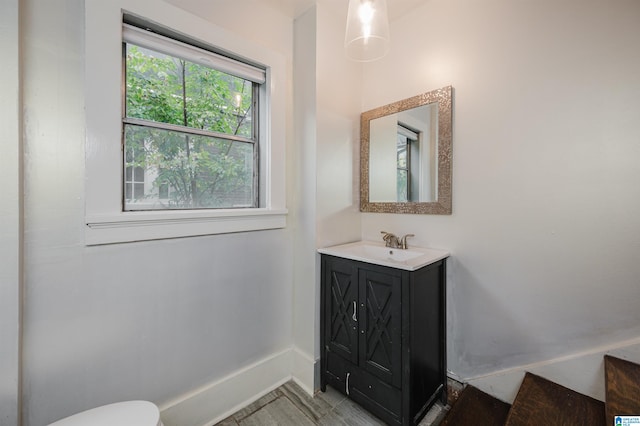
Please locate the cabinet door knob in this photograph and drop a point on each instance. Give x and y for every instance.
(355, 312)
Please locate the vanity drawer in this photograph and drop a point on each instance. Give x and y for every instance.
(337, 369)
(382, 399)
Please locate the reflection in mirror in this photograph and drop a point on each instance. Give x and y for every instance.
(406, 155)
(402, 156)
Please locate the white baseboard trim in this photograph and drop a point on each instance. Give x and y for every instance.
(303, 370)
(218, 400)
(582, 372)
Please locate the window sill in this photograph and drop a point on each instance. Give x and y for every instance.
(143, 226)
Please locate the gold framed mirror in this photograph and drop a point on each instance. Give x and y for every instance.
(406, 155)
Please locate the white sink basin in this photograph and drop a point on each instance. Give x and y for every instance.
(376, 253)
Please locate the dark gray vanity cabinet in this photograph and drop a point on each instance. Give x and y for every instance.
(383, 336)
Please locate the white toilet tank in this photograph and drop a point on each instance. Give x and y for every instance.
(129, 413)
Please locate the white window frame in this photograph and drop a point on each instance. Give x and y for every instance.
(106, 223)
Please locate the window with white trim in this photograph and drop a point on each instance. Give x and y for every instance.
(190, 126)
(132, 196)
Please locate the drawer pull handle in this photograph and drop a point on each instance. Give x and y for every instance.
(347, 385)
(355, 315)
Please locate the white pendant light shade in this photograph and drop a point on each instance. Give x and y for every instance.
(367, 36)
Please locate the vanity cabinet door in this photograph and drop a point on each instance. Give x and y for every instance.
(380, 325)
(341, 309)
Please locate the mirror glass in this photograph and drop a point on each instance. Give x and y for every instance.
(406, 155)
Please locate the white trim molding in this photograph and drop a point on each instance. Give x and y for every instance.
(583, 372)
(304, 370)
(142, 226)
(214, 402)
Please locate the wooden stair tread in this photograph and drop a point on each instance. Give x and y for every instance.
(476, 408)
(622, 387)
(543, 402)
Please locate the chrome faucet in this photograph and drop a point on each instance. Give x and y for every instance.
(403, 241)
(390, 240)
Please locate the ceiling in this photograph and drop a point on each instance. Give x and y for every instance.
(291, 8)
(295, 8)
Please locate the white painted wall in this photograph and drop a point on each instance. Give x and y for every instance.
(254, 20)
(339, 92)
(327, 108)
(10, 214)
(162, 321)
(383, 159)
(546, 201)
(305, 306)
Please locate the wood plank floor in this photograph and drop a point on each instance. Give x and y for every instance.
(289, 405)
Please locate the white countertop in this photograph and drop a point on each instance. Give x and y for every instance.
(375, 252)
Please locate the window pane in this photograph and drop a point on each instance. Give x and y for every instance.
(163, 191)
(402, 186)
(170, 90)
(199, 171)
(138, 175)
(138, 190)
(402, 152)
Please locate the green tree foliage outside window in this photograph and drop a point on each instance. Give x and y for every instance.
(192, 130)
